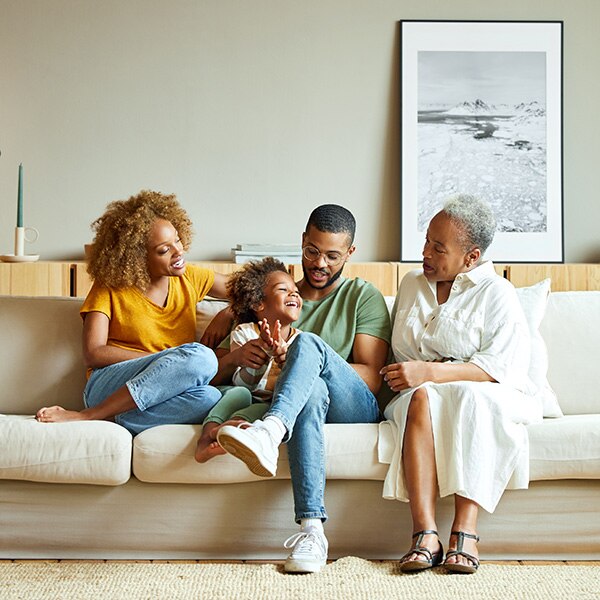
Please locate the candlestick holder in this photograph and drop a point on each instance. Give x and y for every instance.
(20, 239)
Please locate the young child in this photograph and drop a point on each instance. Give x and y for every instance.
(265, 302)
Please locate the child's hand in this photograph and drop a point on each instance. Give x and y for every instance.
(279, 346)
(265, 333)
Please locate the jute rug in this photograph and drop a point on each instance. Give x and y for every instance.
(344, 579)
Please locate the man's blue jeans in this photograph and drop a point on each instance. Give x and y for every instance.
(168, 387)
(316, 386)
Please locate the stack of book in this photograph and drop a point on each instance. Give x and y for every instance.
(286, 253)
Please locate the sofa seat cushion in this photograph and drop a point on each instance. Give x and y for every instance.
(562, 448)
(165, 454)
(91, 452)
(565, 448)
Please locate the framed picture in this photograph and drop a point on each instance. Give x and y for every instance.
(481, 115)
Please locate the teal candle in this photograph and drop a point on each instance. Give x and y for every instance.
(20, 198)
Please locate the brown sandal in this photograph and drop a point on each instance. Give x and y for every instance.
(457, 567)
(432, 559)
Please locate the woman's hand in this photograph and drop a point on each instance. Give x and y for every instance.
(218, 329)
(413, 373)
(404, 375)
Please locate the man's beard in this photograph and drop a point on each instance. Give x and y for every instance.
(327, 284)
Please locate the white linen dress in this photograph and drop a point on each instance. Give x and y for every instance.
(480, 439)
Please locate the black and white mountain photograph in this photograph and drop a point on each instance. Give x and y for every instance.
(482, 130)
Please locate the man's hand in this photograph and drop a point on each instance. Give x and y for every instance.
(404, 375)
(251, 355)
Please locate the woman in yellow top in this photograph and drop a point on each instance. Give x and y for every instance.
(139, 320)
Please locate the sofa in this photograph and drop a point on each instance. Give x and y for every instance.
(89, 490)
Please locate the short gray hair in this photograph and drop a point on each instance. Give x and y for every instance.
(475, 218)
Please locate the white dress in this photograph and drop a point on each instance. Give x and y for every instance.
(480, 439)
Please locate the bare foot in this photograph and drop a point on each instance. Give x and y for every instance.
(208, 447)
(212, 450)
(207, 437)
(58, 414)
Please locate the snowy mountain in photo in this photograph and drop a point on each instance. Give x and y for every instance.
(529, 112)
(476, 108)
(480, 108)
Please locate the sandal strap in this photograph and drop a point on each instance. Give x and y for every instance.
(463, 534)
(426, 552)
(421, 534)
(468, 556)
(425, 532)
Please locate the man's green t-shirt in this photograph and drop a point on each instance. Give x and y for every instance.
(355, 306)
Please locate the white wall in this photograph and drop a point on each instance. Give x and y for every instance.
(245, 109)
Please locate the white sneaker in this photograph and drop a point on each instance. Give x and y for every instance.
(252, 444)
(309, 551)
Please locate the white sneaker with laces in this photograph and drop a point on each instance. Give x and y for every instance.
(253, 445)
(309, 551)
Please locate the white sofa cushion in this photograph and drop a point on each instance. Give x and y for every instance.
(534, 299)
(205, 312)
(92, 452)
(165, 454)
(570, 329)
(560, 448)
(40, 354)
(565, 448)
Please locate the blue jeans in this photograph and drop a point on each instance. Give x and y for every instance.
(168, 387)
(316, 386)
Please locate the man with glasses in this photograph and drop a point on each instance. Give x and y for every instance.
(330, 374)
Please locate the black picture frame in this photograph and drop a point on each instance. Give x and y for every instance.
(481, 114)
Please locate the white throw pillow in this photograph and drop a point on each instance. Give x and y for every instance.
(205, 311)
(533, 301)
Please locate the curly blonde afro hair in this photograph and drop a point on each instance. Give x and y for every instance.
(246, 287)
(119, 254)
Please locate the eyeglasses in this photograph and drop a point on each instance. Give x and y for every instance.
(333, 259)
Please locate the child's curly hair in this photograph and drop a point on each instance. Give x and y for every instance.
(246, 287)
(119, 255)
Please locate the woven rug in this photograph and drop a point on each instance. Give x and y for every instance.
(346, 578)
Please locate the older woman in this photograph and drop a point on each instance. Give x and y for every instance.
(139, 320)
(462, 346)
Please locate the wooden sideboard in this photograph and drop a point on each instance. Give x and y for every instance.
(35, 279)
(576, 277)
(69, 278)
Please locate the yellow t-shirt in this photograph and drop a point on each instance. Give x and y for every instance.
(136, 323)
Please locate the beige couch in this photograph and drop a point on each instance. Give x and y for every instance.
(90, 490)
